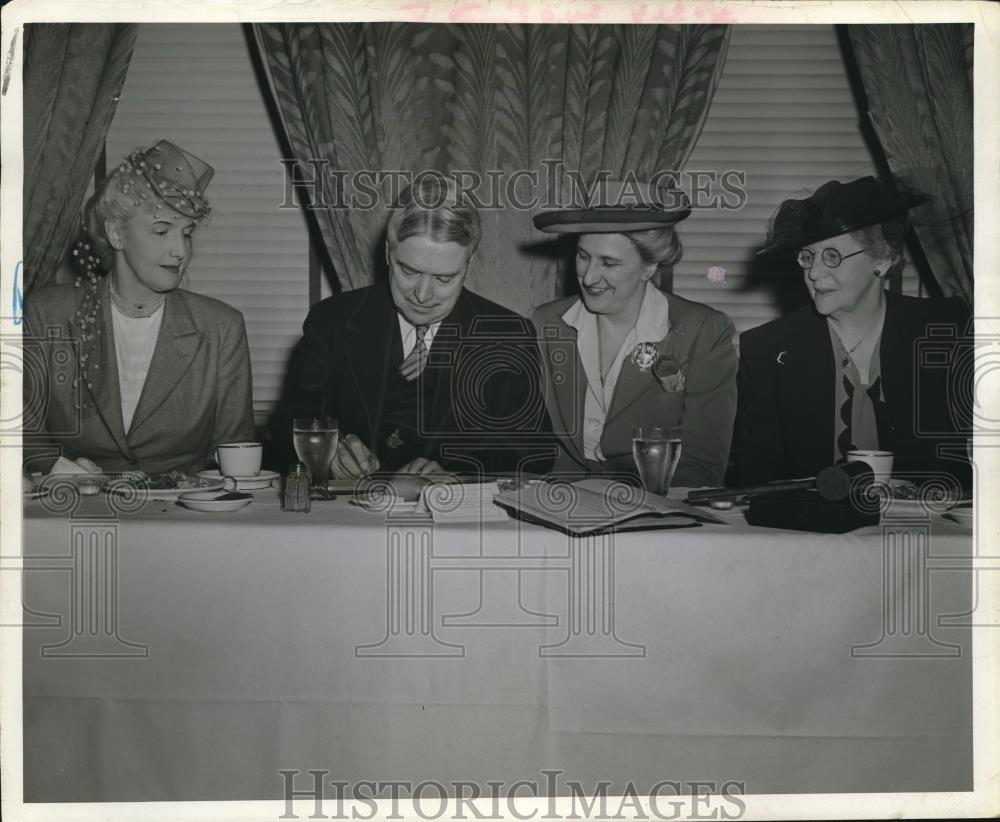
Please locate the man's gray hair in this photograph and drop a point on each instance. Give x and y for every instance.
(433, 206)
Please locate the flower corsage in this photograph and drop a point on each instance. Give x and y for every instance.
(670, 373)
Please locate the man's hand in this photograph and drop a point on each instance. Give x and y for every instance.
(422, 466)
(353, 460)
(413, 477)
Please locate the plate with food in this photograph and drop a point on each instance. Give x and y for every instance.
(85, 484)
(905, 498)
(167, 486)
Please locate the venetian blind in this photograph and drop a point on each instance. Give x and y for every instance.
(784, 115)
(195, 85)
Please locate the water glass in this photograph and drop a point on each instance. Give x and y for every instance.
(656, 451)
(316, 445)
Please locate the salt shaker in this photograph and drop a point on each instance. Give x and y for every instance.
(296, 496)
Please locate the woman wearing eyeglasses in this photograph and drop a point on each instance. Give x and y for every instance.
(860, 368)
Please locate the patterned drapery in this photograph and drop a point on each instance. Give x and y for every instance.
(918, 81)
(73, 76)
(527, 104)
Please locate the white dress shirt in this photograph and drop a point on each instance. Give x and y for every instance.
(408, 331)
(652, 325)
(135, 341)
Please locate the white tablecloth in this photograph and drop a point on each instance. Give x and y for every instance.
(251, 642)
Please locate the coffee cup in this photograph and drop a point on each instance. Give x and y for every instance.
(239, 459)
(880, 462)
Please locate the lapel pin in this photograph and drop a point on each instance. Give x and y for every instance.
(644, 355)
(780, 359)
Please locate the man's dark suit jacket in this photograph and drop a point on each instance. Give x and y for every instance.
(481, 399)
(785, 417)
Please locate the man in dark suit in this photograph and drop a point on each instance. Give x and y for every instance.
(422, 374)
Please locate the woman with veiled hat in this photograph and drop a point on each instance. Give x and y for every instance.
(145, 376)
(625, 353)
(860, 367)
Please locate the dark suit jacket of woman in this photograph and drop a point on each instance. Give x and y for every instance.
(481, 393)
(197, 393)
(785, 422)
(701, 340)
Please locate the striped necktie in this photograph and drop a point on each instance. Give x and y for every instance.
(413, 365)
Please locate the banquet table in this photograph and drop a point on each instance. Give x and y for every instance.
(175, 655)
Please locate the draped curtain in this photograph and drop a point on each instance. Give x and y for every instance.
(511, 101)
(73, 75)
(918, 81)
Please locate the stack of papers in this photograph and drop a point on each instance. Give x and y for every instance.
(594, 506)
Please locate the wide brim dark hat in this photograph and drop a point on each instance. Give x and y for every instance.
(834, 209)
(618, 206)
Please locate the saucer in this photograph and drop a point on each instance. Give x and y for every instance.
(966, 515)
(210, 502)
(248, 483)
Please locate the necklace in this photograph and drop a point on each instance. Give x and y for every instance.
(135, 310)
(845, 361)
(847, 353)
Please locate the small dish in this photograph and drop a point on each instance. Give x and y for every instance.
(213, 502)
(257, 482)
(964, 515)
(904, 500)
(139, 486)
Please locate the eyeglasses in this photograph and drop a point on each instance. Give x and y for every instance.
(830, 256)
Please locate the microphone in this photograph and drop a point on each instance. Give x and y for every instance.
(836, 482)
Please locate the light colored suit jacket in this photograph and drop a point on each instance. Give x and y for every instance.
(700, 340)
(197, 393)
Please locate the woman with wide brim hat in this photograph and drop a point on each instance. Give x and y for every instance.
(625, 353)
(132, 372)
(846, 372)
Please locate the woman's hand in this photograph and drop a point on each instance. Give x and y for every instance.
(353, 460)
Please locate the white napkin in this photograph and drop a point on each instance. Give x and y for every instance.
(66, 466)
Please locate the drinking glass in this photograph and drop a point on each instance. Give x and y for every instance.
(656, 451)
(316, 444)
